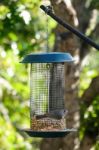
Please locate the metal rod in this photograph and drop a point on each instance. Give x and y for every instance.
(69, 27)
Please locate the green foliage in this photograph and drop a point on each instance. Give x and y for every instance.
(90, 122)
(90, 115)
(21, 22)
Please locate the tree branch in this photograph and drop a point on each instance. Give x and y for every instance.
(67, 7)
(71, 11)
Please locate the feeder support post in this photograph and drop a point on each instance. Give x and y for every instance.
(49, 12)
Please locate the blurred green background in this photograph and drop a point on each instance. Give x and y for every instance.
(23, 31)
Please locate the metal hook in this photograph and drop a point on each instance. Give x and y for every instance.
(48, 9)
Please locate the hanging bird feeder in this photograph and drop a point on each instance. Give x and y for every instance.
(47, 90)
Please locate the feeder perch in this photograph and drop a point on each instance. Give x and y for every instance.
(47, 90)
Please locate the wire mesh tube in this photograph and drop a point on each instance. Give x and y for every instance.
(46, 95)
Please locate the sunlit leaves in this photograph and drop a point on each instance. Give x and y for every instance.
(10, 139)
(3, 11)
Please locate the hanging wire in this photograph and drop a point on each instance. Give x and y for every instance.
(47, 45)
(47, 25)
(47, 34)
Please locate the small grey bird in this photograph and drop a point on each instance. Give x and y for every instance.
(57, 113)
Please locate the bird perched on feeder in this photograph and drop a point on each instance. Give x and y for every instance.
(56, 114)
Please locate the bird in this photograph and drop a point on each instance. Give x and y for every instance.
(55, 114)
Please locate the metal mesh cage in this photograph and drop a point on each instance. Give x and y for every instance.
(46, 94)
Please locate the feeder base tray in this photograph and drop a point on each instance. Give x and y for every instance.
(48, 134)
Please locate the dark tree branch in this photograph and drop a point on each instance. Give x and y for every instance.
(92, 91)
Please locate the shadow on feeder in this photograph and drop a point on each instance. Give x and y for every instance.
(47, 90)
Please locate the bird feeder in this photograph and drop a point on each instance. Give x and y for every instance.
(47, 90)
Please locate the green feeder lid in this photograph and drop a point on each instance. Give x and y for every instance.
(48, 58)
